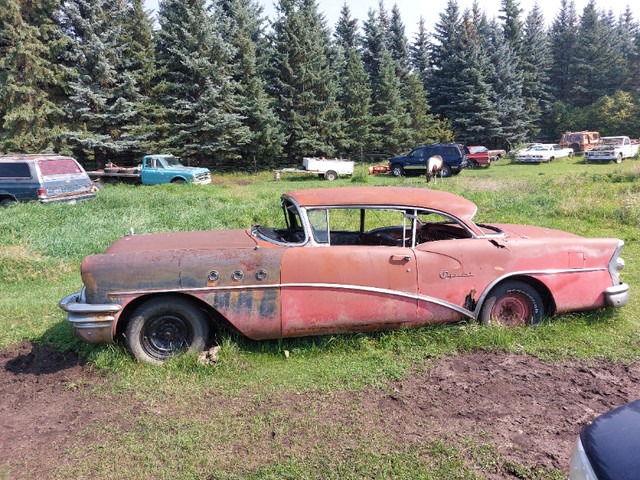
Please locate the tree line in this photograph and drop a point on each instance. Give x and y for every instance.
(216, 83)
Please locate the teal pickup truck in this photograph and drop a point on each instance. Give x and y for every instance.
(155, 169)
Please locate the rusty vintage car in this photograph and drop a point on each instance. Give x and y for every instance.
(343, 260)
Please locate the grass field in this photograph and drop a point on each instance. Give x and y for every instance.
(41, 247)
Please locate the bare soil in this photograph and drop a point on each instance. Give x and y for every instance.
(529, 409)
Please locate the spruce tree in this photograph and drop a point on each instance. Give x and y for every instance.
(628, 34)
(302, 82)
(391, 123)
(31, 82)
(506, 93)
(563, 41)
(241, 25)
(512, 25)
(423, 125)
(355, 101)
(373, 44)
(201, 109)
(346, 33)
(535, 61)
(103, 94)
(420, 53)
(596, 57)
(399, 44)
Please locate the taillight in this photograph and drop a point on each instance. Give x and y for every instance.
(42, 193)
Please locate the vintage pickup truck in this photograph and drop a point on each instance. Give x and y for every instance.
(612, 148)
(155, 169)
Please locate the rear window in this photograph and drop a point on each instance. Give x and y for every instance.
(61, 166)
(13, 170)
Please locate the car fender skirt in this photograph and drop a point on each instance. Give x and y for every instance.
(618, 295)
(94, 323)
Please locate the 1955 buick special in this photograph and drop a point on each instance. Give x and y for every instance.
(342, 260)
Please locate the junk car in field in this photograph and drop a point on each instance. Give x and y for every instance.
(46, 178)
(543, 152)
(341, 260)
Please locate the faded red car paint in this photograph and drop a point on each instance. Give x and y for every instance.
(347, 259)
(479, 156)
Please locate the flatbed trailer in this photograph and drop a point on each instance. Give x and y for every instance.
(329, 169)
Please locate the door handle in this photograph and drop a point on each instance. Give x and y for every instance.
(406, 258)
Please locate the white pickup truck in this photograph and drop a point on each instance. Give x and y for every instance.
(612, 148)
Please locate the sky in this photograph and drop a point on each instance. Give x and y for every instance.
(430, 10)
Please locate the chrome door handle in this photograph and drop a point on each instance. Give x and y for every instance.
(406, 258)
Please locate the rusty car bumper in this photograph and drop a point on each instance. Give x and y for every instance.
(94, 323)
(618, 295)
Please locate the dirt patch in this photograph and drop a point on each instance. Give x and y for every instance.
(43, 401)
(529, 409)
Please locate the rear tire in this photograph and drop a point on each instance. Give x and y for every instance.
(446, 170)
(619, 158)
(512, 304)
(6, 201)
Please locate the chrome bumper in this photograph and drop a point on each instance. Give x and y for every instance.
(618, 295)
(94, 323)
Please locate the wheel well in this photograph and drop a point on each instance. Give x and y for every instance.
(216, 320)
(541, 288)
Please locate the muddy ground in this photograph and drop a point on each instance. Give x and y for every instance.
(529, 409)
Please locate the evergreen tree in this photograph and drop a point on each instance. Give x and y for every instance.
(103, 95)
(373, 44)
(31, 82)
(302, 82)
(563, 39)
(506, 83)
(201, 110)
(535, 61)
(475, 119)
(445, 62)
(512, 26)
(240, 24)
(355, 101)
(597, 60)
(399, 44)
(423, 125)
(391, 123)
(628, 31)
(346, 33)
(420, 53)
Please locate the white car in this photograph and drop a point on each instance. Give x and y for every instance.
(543, 152)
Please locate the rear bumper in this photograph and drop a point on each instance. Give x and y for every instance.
(67, 198)
(94, 323)
(618, 295)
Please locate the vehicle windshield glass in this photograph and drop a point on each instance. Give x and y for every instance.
(170, 162)
(611, 141)
(538, 147)
(288, 231)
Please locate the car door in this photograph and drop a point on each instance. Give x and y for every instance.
(352, 282)
(416, 160)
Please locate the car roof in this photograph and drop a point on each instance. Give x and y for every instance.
(446, 202)
(31, 156)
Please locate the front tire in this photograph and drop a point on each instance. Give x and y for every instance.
(446, 171)
(331, 175)
(165, 326)
(619, 158)
(512, 304)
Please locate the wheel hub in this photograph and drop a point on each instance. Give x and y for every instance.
(511, 310)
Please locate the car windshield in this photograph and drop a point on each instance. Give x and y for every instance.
(611, 141)
(478, 149)
(539, 148)
(170, 162)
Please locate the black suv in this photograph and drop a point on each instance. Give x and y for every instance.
(454, 157)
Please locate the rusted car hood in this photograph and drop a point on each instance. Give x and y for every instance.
(526, 231)
(198, 240)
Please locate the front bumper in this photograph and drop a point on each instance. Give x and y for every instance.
(94, 323)
(618, 295)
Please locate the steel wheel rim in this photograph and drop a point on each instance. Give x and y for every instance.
(165, 335)
(512, 310)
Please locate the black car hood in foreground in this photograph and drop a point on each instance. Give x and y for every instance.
(612, 443)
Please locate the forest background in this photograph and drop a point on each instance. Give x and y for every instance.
(222, 86)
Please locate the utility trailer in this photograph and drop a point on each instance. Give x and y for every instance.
(330, 169)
